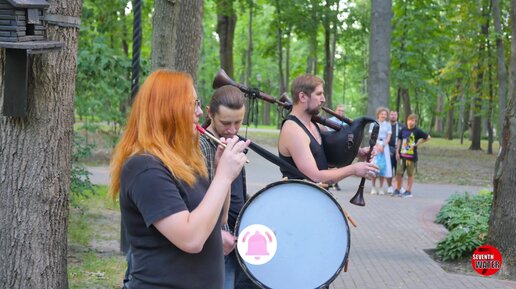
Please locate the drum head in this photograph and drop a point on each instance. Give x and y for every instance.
(292, 234)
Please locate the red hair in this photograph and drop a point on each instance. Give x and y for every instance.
(161, 123)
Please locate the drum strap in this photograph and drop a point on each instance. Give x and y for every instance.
(274, 159)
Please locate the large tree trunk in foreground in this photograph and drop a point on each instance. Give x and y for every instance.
(177, 35)
(503, 214)
(35, 165)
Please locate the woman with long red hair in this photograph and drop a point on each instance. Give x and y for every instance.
(170, 212)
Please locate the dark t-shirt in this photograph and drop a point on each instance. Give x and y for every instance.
(409, 138)
(395, 134)
(148, 194)
(316, 149)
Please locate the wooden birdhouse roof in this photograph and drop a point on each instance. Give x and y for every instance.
(29, 3)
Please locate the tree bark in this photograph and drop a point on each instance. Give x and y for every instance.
(330, 31)
(502, 71)
(379, 55)
(279, 39)
(405, 99)
(226, 23)
(490, 105)
(35, 165)
(249, 53)
(177, 35)
(439, 123)
(502, 220)
(476, 124)
(451, 110)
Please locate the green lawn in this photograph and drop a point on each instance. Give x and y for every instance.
(94, 260)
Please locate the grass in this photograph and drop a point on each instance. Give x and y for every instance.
(449, 162)
(94, 260)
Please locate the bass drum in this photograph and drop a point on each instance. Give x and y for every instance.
(292, 234)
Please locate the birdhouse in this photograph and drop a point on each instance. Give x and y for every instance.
(22, 33)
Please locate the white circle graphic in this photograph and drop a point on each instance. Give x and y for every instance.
(257, 244)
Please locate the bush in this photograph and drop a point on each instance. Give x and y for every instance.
(466, 217)
(80, 184)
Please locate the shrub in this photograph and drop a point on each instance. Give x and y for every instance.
(80, 184)
(466, 217)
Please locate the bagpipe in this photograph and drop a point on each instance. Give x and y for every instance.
(340, 145)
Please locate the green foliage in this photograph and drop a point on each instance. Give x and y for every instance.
(466, 218)
(80, 184)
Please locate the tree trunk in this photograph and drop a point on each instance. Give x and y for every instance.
(279, 36)
(476, 127)
(379, 55)
(451, 110)
(490, 104)
(330, 37)
(249, 53)
(502, 71)
(465, 123)
(439, 123)
(226, 23)
(328, 65)
(502, 220)
(405, 98)
(287, 57)
(36, 161)
(266, 109)
(177, 35)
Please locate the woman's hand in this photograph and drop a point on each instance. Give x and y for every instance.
(232, 158)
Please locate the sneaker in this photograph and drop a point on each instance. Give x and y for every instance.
(390, 190)
(396, 193)
(381, 192)
(373, 191)
(406, 194)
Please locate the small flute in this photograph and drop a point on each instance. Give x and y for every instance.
(203, 131)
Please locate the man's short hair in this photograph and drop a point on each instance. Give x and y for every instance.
(304, 83)
(412, 116)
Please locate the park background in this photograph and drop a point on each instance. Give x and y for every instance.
(448, 61)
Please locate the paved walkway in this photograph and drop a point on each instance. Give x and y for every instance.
(387, 246)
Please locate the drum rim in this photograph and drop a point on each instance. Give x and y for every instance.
(328, 193)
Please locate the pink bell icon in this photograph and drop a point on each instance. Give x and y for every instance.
(257, 246)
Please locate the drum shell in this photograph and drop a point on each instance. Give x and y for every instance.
(312, 235)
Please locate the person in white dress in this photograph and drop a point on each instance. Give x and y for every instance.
(382, 158)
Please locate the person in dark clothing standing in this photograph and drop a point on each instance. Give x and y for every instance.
(171, 213)
(396, 127)
(225, 115)
(300, 141)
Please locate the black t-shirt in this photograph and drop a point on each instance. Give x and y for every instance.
(409, 138)
(316, 149)
(395, 134)
(148, 194)
(237, 199)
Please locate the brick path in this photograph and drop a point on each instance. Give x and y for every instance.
(387, 246)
